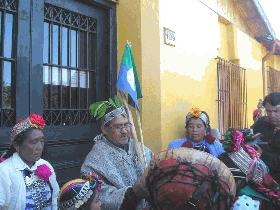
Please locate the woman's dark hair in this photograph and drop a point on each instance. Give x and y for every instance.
(272, 98)
(208, 127)
(68, 195)
(19, 139)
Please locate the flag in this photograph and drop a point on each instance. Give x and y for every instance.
(128, 78)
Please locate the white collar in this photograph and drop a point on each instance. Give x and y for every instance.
(20, 165)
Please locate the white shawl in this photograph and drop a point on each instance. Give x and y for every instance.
(12, 185)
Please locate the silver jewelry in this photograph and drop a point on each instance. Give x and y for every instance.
(81, 198)
(37, 189)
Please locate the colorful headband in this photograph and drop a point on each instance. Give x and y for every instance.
(195, 112)
(81, 197)
(33, 121)
(112, 115)
(99, 109)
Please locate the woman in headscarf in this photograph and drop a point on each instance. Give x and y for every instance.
(26, 180)
(81, 194)
(198, 134)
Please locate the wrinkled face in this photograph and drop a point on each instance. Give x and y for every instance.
(96, 203)
(273, 112)
(196, 129)
(32, 147)
(118, 131)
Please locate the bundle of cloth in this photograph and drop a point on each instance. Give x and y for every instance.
(253, 183)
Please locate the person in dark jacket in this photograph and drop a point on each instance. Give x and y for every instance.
(269, 127)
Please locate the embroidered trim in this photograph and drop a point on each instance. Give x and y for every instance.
(252, 168)
(241, 159)
(112, 115)
(81, 197)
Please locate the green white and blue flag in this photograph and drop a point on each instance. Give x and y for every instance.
(128, 80)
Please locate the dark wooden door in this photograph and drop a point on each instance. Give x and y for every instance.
(65, 60)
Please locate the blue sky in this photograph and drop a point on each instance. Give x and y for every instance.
(271, 9)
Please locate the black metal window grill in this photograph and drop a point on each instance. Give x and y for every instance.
(273, 78)
(8, 34)
(69, 73)
(232, 95)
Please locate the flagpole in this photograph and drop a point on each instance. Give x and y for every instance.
(133, 131)
(141, 135)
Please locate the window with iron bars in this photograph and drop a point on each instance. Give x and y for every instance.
(8, 36)
(232, 95)
(69, 66)
(273, 78)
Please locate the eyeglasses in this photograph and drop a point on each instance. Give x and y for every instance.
(119, 127)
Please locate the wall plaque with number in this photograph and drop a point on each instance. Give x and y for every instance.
(169, 36)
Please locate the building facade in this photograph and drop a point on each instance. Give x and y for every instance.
(216, 63)
(59, 56)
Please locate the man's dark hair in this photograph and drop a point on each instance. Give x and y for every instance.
(272, 98)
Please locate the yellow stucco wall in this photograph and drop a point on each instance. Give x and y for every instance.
(250, 55)
(246, 52)
(236, 45)
(188, 75)
(174, 79)
(137, 21)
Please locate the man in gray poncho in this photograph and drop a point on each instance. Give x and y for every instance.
(114, 157)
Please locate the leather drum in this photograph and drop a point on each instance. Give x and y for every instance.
(185, 178)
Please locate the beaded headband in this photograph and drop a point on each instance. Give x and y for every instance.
(89, 182)
(34, 121)
(195, 112)
(81, 197)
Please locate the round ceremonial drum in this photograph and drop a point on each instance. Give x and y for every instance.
(186, 178)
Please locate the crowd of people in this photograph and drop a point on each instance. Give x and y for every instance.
(197, 171)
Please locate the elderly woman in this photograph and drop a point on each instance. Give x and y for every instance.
(198, 134)
(27, 181)
(81, 194)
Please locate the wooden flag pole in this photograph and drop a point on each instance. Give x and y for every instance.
(140, 154)
(141, 136)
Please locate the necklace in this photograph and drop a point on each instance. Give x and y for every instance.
(37, 189)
